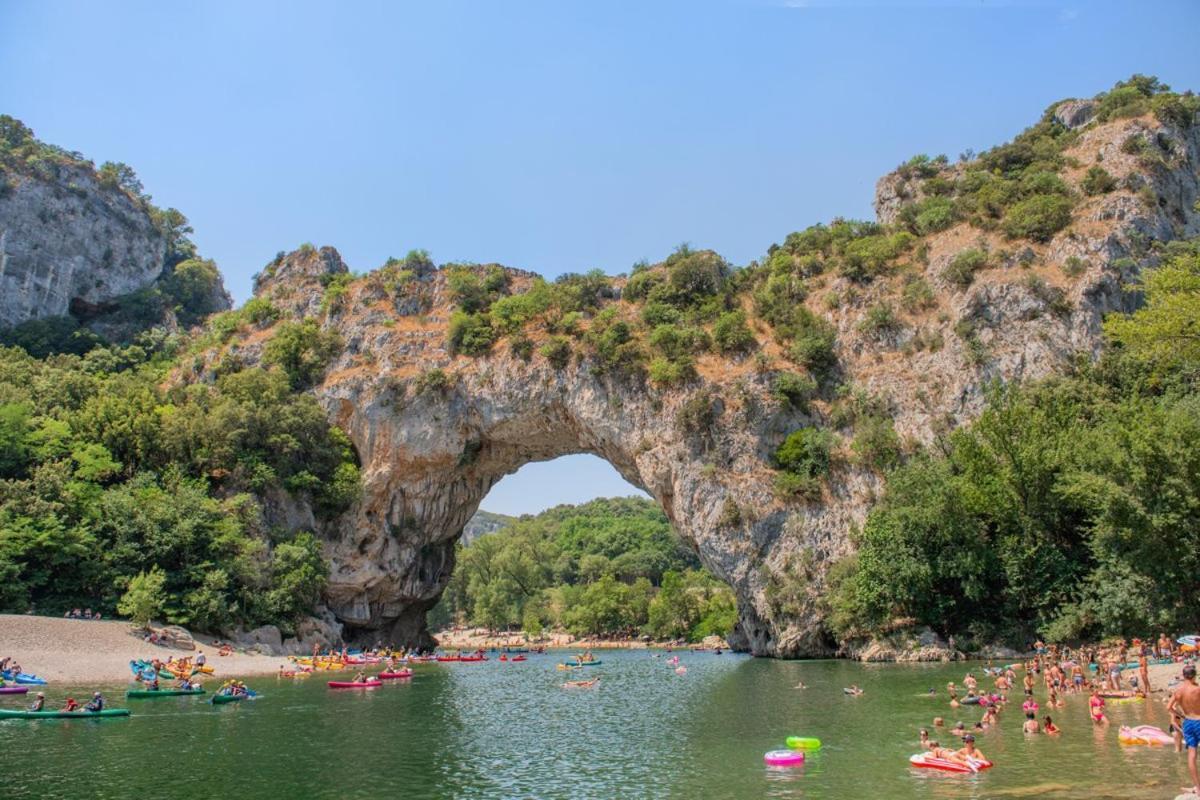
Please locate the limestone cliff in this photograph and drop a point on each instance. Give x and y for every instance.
(73, 240)
(435, 430)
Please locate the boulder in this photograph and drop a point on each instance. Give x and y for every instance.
(1075, 113)
(177, 637)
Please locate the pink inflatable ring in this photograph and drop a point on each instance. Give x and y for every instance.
(784, 758)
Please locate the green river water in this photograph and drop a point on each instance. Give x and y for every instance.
(497, 730)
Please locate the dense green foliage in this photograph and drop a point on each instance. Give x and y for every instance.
(107, 475)
(611, 566)
(1068, 509)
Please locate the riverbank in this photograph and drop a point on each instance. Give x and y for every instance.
(78, 651)
(480, 639)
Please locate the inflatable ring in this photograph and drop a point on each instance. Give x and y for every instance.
(784, 758)
(803, 743)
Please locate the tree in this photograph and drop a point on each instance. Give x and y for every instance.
(1166, 331)
(143, 600)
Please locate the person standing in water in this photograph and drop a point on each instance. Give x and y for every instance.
(1186, 703)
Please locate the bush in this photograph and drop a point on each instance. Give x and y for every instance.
(302, 350)
(1098, 180)
(470, 334)
(879, 318)
(876, 444)
(794, 390)
(195, 287)
(668, 372)
(432, 381)
(732, 334)
(917, 295)
(557, 351)
(805, 452)
(931, 215)
(961, 270)
(1038, 218)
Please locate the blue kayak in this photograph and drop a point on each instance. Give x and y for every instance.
(31, 680)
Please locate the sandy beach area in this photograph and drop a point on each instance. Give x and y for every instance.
(86, 651)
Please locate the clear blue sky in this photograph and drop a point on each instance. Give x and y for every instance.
(552, 136)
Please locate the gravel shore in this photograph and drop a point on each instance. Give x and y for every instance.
(84, 651)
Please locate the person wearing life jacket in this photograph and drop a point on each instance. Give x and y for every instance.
(71, 705)
(96, 704)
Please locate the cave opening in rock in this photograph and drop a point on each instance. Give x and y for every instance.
(569, 546)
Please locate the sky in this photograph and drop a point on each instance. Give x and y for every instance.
(550, 136)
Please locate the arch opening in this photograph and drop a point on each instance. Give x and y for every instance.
(569, 548)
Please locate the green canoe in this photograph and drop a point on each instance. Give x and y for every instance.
(6, 713)
(593, 663)
(218, 699)
(147, 693)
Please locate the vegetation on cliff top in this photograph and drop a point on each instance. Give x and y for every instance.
(608, 567)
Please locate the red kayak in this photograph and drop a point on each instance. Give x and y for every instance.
(354, 684)
(519, 658)
(448, 658)
(390, 676)
(473, 658)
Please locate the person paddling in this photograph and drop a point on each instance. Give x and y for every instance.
(1186, 702)
(97, 703)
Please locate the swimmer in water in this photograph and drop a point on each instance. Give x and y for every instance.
(968, 753)
(800, 685)
(1049, 727)
(1031, 723)
(924, 739)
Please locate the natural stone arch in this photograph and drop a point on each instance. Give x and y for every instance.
(431, 458)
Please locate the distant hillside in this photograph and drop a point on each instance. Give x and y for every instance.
(485, 522)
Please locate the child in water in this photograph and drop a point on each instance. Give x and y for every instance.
(1049, 727)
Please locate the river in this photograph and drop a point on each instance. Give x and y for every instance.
(503, 730)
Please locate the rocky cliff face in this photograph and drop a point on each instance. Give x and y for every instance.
(436, 431)
(72, 242)
(67, 242)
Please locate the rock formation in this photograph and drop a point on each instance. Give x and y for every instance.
(71, 242)
(435, 431)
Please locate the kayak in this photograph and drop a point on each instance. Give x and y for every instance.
(444, 659)
(23, 678)
(472, 659)
(576, 663)
(803, 743)
(518, 658)
(219, 699)
(926, 761)
(354, 684)
(391, 676)
(148, 693)
(13, 689)
(108, 712)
